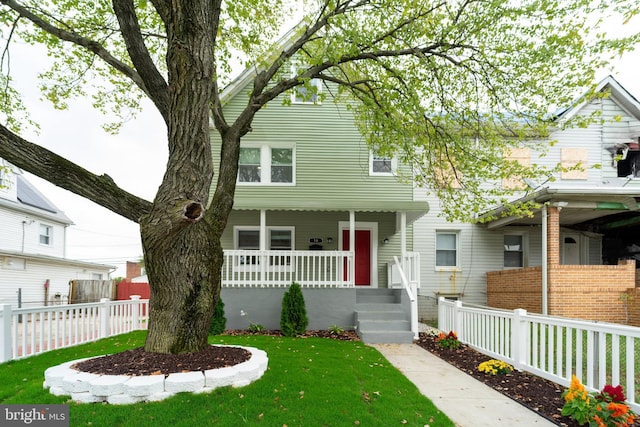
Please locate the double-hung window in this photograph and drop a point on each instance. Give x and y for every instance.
(381, 165)
(447, 250)
(307, 93)
(265, 164)
(513, 250)
(46, 235)
(278, 239)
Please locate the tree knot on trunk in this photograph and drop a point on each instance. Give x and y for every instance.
(193, 211)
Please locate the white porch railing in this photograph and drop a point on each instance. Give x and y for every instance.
(409, 270)
(29, 331)
(281, 268)
(554, 348)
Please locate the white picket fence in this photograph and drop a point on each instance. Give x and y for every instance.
(554, 348)
(29, 331)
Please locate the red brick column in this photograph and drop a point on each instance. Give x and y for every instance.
(553, 237)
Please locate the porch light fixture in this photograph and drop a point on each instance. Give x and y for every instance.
(329, 239)
(386, 240)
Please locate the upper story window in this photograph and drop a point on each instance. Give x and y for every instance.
(308, 93)
(513, 250)
(447, 250)
(96, 276)
(575, 163)
(628, 160)
(46, 234)
(266, 165)
(381, 165)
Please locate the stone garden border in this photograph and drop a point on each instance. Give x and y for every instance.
(84, 387)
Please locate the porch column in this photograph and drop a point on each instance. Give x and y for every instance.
(263, 230)
(553, 235)
(263, 246)
(553, 251)
(352, 246)
(403, 239)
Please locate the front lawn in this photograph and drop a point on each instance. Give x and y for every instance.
(309, 382)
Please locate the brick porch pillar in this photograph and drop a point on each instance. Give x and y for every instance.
(553, 238)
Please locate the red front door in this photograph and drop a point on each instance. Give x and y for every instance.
(363, 255)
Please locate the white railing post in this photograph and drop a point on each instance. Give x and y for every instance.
(457, 320)
(104, 313)
(135, 312)
(442, 312)
(5, 333)
(519, 336)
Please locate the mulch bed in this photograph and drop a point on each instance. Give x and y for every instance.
(536, 393)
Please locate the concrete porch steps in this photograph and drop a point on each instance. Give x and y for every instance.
(380, 317)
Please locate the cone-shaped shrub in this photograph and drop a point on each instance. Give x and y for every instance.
(293, 318)
(218, 321)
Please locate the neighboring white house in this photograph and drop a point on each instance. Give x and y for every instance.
(33, 245)
(598, 213)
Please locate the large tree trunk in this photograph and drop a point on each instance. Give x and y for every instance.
(181, 244)
(184, 274)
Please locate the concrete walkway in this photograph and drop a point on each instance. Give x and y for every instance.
(465, 400)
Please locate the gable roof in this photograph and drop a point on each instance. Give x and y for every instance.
(617, 92)
(30, 199)
(245, 77)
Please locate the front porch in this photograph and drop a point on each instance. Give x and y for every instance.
(254, 282)
(584, 272)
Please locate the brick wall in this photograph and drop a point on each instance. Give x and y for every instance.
(633, 306)
(590, 292)
(133, 270)
(511, 289)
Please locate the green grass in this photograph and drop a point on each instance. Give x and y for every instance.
(309, 382)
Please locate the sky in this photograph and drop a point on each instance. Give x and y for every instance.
(136, 157)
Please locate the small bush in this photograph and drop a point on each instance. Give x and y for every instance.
(449, 340)
(336, 330)
(218, 321)
(293, 318)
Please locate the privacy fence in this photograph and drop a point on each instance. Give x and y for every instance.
(29, 331)
(554, 348)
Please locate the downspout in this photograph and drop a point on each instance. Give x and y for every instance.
(545, 239)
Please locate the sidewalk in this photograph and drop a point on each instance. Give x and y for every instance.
(465, 400)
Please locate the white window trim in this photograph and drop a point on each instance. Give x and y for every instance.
(50, 235)
(314, 82)
(394, 167)
(265, 165)
(456, 267)
(525, 249)
(256, 267)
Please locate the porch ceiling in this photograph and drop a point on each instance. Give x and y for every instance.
(578, 206)
(414, 209)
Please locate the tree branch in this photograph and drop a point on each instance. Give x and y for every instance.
(91, 45)
(100, 189)
(139, 54)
